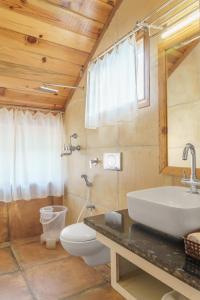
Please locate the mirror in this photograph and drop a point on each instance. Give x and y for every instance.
(183, 100)
(179, 97)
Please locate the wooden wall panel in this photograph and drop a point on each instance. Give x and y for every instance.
(3, 223)
(21, 219)
(24, 217)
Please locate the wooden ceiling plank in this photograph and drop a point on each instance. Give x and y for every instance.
(30, 26)
(47, 49)
(174, 61)
(93, 9)
(16, 93)
(9, 100)
(71, 93)
(18, 71)
(32, 60)
(38, 45)
(110, 2)
(28, 86)
(13, 96)
(55, 15)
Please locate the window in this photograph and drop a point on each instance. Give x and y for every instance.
(30, 148)
(111, 86)
(118, 83)
(143, 72)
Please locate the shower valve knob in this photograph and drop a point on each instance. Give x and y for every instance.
(94, 162)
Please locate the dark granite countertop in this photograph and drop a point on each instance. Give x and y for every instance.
(160, 250)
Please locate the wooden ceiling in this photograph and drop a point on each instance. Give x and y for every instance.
(48, 41)
(176, 56)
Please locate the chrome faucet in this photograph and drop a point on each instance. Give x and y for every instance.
(193, 182)
(68, 149)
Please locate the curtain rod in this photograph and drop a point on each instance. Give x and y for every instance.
(31, 108)
(132, 32)
(129, 34)
(139, 25)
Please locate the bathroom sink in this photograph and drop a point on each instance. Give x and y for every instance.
(170, 209)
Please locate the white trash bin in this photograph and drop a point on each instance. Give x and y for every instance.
(173, 295)
(52, 219)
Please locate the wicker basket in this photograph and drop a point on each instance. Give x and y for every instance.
(191, 248)
(192, 266)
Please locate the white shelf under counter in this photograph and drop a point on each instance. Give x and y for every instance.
(147, 282)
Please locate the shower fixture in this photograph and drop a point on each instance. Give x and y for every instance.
(85, 177)
(94, 162)
(68, 149)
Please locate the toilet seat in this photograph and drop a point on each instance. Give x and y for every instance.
(80, 240)
(78, 233)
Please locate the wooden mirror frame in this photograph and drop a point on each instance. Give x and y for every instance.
(188, 33)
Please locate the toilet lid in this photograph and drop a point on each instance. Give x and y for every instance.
(78, 232)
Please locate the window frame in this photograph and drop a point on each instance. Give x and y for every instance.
(143, 34)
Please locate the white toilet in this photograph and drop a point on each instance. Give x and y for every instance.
(80, 240)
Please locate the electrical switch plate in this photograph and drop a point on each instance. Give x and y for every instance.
(112, 161)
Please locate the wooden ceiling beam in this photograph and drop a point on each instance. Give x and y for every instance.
(30, 26)
(55, 15)
(93, 9)
(19, 41)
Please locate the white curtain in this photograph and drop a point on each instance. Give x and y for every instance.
(112, 86)
(30, 161)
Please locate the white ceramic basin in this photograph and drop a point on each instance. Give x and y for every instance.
(169, 209)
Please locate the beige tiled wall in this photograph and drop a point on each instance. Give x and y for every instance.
(137, 140)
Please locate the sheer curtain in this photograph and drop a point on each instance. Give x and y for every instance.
(112, 86)
(30, 148)
(6, 154)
